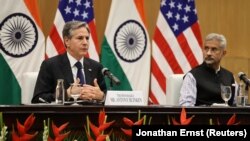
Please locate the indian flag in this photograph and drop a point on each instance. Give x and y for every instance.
(126, 46)
(21, 46)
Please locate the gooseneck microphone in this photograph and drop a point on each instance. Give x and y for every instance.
(106, 72)
(244, 78)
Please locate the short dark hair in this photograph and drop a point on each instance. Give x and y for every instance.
(73, 25)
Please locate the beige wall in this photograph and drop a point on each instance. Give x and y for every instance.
(232, 19)
(229, 17)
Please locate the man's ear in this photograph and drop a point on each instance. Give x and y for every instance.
(66, 41)
(224, 52)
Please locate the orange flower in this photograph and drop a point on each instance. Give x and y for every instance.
(101, 138)
(231, 120)
(98, 130)
(130, 123)
(183, 118)
(22, 130)
(128, 132)
(56, 131)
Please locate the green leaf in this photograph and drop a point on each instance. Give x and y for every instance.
(1, 120)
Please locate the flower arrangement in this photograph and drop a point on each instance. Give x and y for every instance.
(231, 121)
(130, 123)
(22, 130)
(3, 129)
(3, 133)
(57, 132)
(183, 118)
(46, 130)
(98, 131)
(93, 132)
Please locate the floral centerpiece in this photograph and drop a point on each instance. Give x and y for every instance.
(93, 132)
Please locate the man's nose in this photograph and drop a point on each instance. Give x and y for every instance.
(209, 51)
(85, 40)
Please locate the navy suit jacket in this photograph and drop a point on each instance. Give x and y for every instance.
(58, 67)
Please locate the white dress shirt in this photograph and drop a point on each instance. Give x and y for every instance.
(188, 92)
(72, 62)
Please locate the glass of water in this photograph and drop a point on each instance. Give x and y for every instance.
(226, 93)
(75, 92)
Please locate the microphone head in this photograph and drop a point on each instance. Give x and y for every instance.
(240, 74)
(104, 70)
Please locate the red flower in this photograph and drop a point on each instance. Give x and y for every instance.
(98, 130)
(183, 118)
(56, 131)
(21, 134)
(130, 123)
(128, 132)
(230, 121)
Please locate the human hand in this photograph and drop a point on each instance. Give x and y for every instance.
(74, 87)
(92, 92)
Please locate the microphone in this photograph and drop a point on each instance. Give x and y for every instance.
(42, 100)
(115, 80)
(244, 78)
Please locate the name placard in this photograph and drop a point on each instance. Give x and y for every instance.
(128, 98)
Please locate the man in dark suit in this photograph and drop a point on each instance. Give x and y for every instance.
(76, 40)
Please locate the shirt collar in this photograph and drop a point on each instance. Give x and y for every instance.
(72, 60)
(218, 70)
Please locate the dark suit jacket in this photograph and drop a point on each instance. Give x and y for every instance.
(58, 67)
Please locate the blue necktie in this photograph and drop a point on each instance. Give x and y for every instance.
(79, 72)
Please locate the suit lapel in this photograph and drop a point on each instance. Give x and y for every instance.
(87, 71)
(66, 69)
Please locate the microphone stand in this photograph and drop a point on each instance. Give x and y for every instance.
(246, 94)
(110, 85)
(246, 88)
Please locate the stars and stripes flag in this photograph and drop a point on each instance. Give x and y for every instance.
(70, 10)
(176, 46)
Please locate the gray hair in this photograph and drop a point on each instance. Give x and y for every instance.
(219, 37)
(73, 25)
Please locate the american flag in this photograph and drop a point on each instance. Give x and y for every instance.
(70, 10)
(176, 46)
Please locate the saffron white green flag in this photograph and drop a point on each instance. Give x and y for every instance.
(126, 46)
(21, 46)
